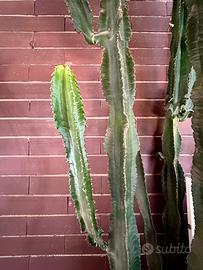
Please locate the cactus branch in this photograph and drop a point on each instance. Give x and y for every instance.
(82, 18)
(70, 121)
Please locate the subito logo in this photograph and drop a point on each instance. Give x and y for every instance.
(147, 249)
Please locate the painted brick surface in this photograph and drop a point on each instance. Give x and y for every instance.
(38, 226)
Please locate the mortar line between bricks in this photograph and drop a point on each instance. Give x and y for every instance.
(80, 82)
(69, 17)
(84, 99)
(88, 118)
(63, 155)
(62, 175)
(60, 215)
(75, 33)
(82, 48)
(53, 255)
(58, 195)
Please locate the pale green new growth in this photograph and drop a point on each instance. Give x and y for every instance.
(70, 121)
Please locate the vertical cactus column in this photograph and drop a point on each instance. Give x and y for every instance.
(195, 46)
(181, 77)
(126, 173)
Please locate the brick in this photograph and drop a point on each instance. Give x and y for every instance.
(185, 128)
(146, 8)
(187, 146)
(13, 73)
(57, 7)
(46, 146)
(31, 245)
(17, 7)
(150, 126)
(150, 145)
(52, 225)
(45, 165)
(79, 245)
(29, 205)
(30, 56)
(31, 23)
(186, 162)
(15, 39)
(40, 109)
(96, 127)
(152, 165)
(54, 7)
(73, 262)
(151, 56)
(32, 165)
(91, 90)
(14, 263)
(49, 185)
(87, 73)
(13, 146)
(14, 185)
(59, 40)
(14, 109)
(169, 6)
(11, 226)
(150, 24)
(154, 184)
(24, 90)
(96, 184)
(151, 73)
(149, 40)
(84, 56)
(149, 108)
(151, 90)
(27, 127)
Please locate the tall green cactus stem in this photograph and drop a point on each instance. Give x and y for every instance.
(181, 79)
(122, 145)
(70, 121)
(195, 46)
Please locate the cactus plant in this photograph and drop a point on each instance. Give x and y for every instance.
(181, 77)
(126, 175)
(195, 46)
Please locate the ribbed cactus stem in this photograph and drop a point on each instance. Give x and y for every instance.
(181, 77)
(121, 143)
(70, 121)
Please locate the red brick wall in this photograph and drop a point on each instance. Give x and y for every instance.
(38, 228)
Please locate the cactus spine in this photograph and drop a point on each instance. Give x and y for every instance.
(126, 175)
